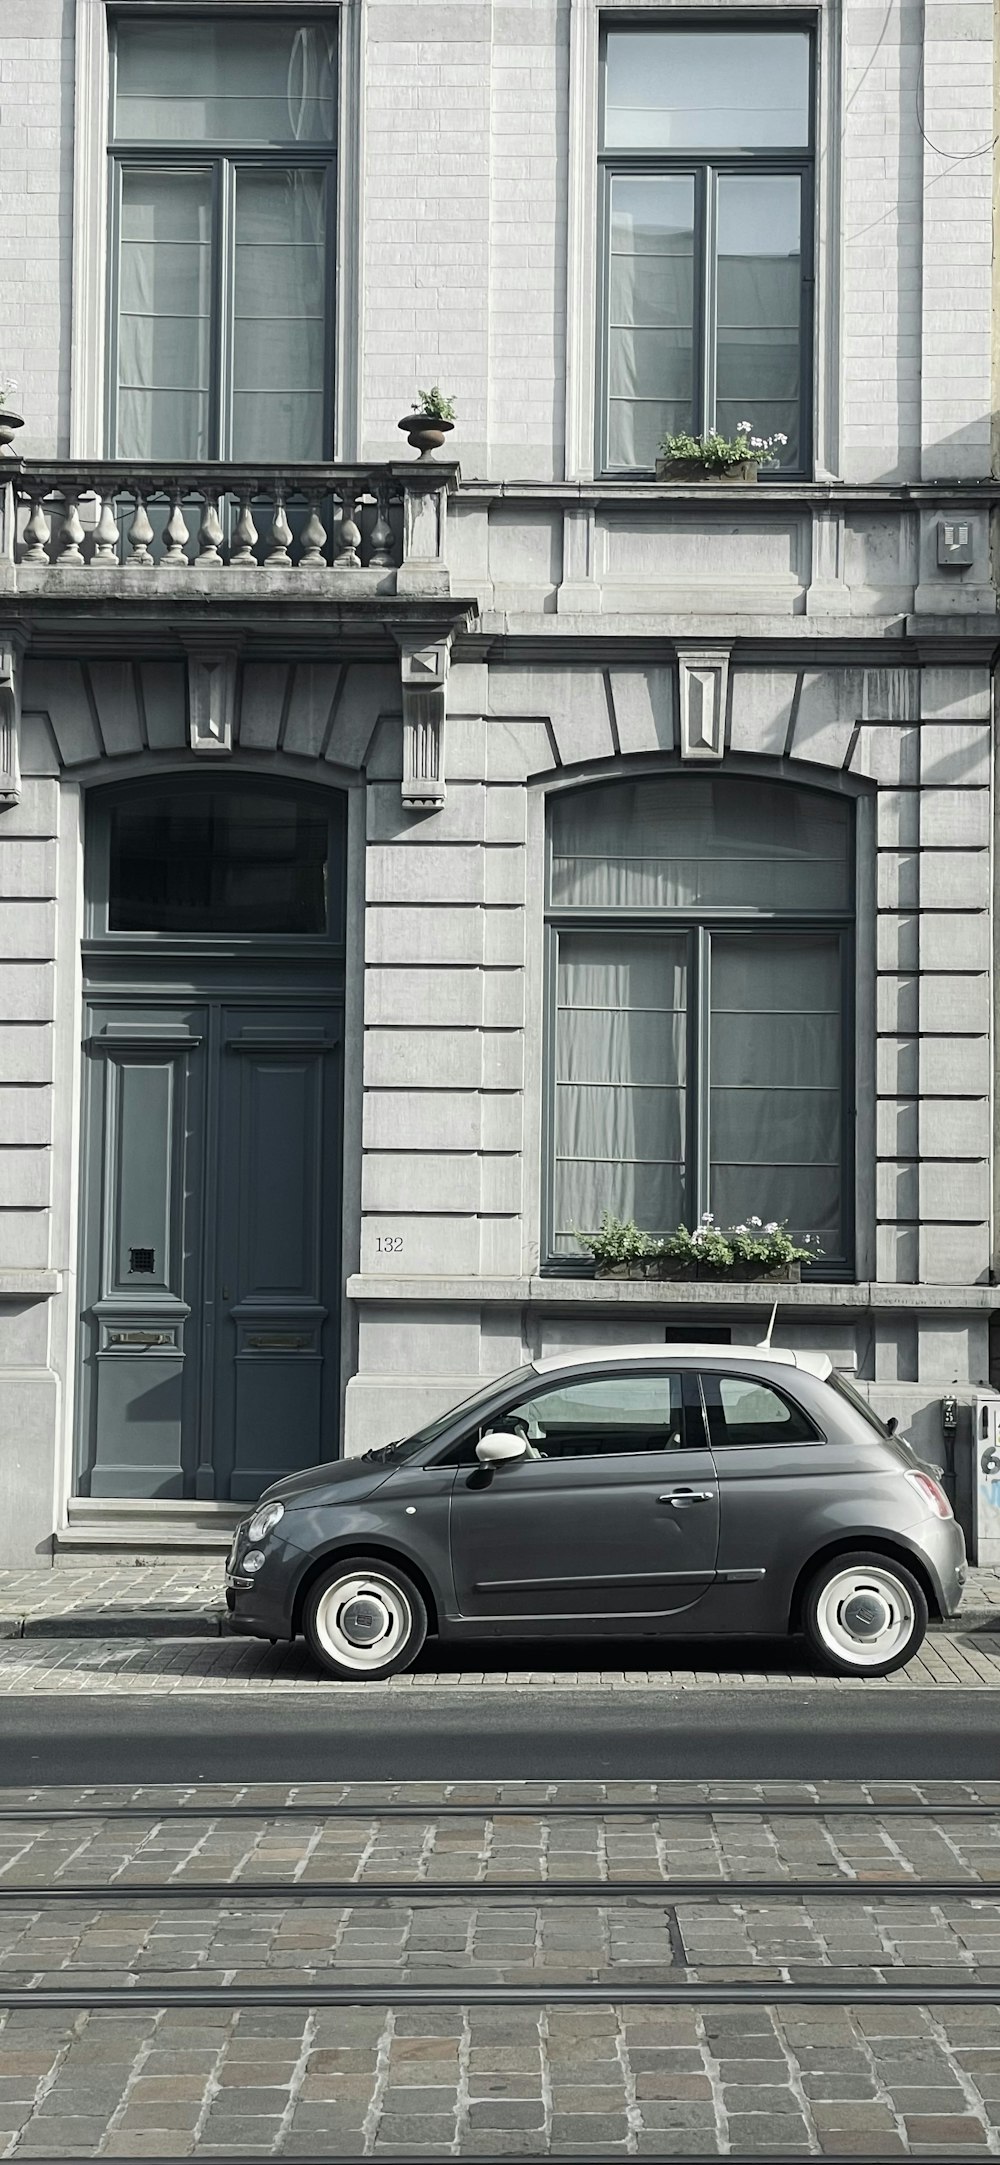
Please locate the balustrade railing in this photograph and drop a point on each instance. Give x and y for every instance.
(113, 515)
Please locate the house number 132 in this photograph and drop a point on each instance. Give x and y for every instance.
(389, 1243)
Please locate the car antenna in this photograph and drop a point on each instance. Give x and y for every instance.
(765, 1343)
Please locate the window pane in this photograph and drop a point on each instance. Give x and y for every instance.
(164, 314)
(218, 82)
(651, 315)
(759, 272)
(608, 1413)
(221, 860)
(620, 1082)
(721, 844)
(279, 335)
(706, 89)
(775, 1097)
(744, 1410)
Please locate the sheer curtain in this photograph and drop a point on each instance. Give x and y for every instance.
(720, 843)
(775, 1093)
(621, 1080)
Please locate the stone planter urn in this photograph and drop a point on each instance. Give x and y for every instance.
(10, 422)
(693, 470)
(426, 432)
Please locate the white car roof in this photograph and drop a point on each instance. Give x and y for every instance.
(816, 1364)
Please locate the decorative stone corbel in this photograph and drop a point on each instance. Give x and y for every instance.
(10, 727)
(211, 674)
(703, 674)
(424, 678)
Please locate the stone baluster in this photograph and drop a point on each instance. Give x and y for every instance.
(38, 531)
(381, 553)
(349, 553)
(244, 535)
(314, 538)
(210, 536)
(140, 535)
(106, 535)
(280, 535)
(176, 532)
(70, 534)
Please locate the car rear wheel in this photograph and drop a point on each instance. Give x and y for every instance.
(864, 1615)
(364, 1619)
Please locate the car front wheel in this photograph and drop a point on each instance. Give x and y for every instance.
(364, 1619)
(864, 1615)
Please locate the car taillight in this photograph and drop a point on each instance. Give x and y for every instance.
(932, 1494)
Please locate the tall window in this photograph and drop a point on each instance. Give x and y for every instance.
(700, 934)
(706, 139)
(223, 136)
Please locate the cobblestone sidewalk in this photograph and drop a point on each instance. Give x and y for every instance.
(100, 1668)
(188, 1600)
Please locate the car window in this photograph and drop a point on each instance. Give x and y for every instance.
(598, 1414)
(746, 1410)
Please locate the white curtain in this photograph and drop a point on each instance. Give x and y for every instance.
(717, 844)
(775, 1099)
(620, 1118)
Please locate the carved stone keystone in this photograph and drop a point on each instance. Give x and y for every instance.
(424, 678)
(211, 672)
(703, 674)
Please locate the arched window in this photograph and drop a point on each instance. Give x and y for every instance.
(700, 939)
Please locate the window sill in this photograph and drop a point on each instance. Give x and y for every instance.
(605, 1293)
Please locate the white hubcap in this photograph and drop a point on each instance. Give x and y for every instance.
(865, 1616)
(363, 1621)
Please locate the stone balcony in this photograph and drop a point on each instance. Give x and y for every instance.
(97, 533)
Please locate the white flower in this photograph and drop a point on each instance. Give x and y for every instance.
(739, 1229)
(755, 1221)
(773, 1227)
(707, 1218)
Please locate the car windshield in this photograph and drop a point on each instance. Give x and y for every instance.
(467, 1408)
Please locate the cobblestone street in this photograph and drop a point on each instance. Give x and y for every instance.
(537, 2078)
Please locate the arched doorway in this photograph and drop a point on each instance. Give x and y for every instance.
(210, 1221)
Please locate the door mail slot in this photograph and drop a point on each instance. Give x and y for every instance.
(278, 1342)
(141, 1338)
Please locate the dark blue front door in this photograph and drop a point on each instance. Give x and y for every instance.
(212, 1209)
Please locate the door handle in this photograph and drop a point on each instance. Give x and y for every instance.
(678, 1497)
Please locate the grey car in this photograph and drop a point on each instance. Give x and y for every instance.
(676, 1492)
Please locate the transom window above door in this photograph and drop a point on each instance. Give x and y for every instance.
(700, 958)
(223, 146)
(191, 859)
(706, 157)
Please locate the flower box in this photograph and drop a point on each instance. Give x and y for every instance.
(693, 470)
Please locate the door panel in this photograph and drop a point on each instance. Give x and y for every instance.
(145, 1080)
(614, 1512)
(278, 1211)
(211, 1243)
(586, 1536)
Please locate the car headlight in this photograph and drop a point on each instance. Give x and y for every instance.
(253, 1561)
(265, 1521)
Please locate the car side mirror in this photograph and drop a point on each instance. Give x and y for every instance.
(497, 1448)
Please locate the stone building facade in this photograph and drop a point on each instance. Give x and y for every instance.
(403, 860)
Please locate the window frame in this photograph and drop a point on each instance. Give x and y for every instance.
(707, 166)
(699, 926)
(101, 939)
(692, 1406)
(222, 162)
(707, 1376)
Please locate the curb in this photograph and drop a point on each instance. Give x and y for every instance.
(213, 1624)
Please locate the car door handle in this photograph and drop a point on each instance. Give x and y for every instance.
(678, 1497)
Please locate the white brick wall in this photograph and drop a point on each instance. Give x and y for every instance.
(36, 133)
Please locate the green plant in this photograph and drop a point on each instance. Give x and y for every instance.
(717, 453)
(753, 1246)
(8, 386)
(619, 1240)
(434, 404)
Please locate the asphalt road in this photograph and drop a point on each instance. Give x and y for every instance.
(532, 1734)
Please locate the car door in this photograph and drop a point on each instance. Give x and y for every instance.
(775, 1469)
(615, 1514)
